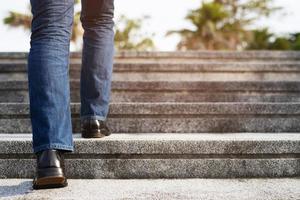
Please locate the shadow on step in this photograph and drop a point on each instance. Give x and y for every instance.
(10, 190)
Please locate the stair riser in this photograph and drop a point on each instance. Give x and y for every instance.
(127, 96)
(164, 156)
(205, 124)
(181, 76)
(232, 91)
(265, 55)
(175, 117)
(161, 168)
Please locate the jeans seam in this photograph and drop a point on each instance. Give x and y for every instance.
(53, 146)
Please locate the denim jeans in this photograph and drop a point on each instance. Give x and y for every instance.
(48, 68)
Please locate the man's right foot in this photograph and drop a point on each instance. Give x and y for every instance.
(50, 170)
(93, 128)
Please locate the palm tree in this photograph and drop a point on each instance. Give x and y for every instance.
(222, 24)
(128, 34)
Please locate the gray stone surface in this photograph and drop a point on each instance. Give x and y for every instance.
(168, 117)
(169, 108)
(179, 71)
(127, 168)
(171, 66)
(268, 55)
(17, 91)
(166, 86)
(22, 96)
(180, 189)
(237, 144)
(175, 117)
(203, 65)
(165, 156)
(178, 76)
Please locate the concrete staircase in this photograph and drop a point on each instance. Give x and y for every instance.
(174, 115)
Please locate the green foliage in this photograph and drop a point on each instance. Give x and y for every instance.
(128, 32)
(260, 39)
(295, 41)
(16, 19)
(280, 43)
(222, 24)
(128, 35)
(263, 39)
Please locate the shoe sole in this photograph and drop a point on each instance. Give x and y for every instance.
(86, 134)
(50, 182)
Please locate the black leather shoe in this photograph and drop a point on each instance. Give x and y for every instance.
(50, 170)
(93, 128)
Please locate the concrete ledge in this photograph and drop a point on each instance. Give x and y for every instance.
(18, 96)
(175, 117)
(165, 156)
(169, 66)
(209, 71)
(180, 189)
(235, 145)
(164, 91)
(166, 86)
(161, 168)
(180, 54)
(176, 109)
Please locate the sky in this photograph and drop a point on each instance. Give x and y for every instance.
(164, 15)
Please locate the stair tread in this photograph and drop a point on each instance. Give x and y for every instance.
(176, 66)
(172, 137)
(180, 85)
(177, 108)
(186, 54)
(178, 144)
(212, 189)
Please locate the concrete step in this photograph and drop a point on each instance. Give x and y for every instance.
(166, 189)
(186, 71)
(164, 91)
(205, 55)
(164, 156)
(175, 117)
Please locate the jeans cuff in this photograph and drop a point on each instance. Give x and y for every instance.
(93, 117)
(53, 146)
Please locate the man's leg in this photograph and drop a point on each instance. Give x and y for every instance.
(97, 65)
(48, 74)
(49, 92)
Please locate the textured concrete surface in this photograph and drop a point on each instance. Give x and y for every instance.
(131, 167)
(180, 71)
(167, 189)
(178, 144)
(190, 54)
(185, 66)
(175, 117)
(164, 91)
(22, 96)
(179, 76)
(166, 86)
(207, 108)
(164, 156)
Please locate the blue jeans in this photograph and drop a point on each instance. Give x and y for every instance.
(48, 68)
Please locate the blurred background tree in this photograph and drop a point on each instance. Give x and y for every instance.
(226, 25)
(263, 39)
(217, 25)
(128, 35)
(128, 31)
(16, 19)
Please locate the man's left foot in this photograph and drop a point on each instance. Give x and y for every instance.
(93, 128)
